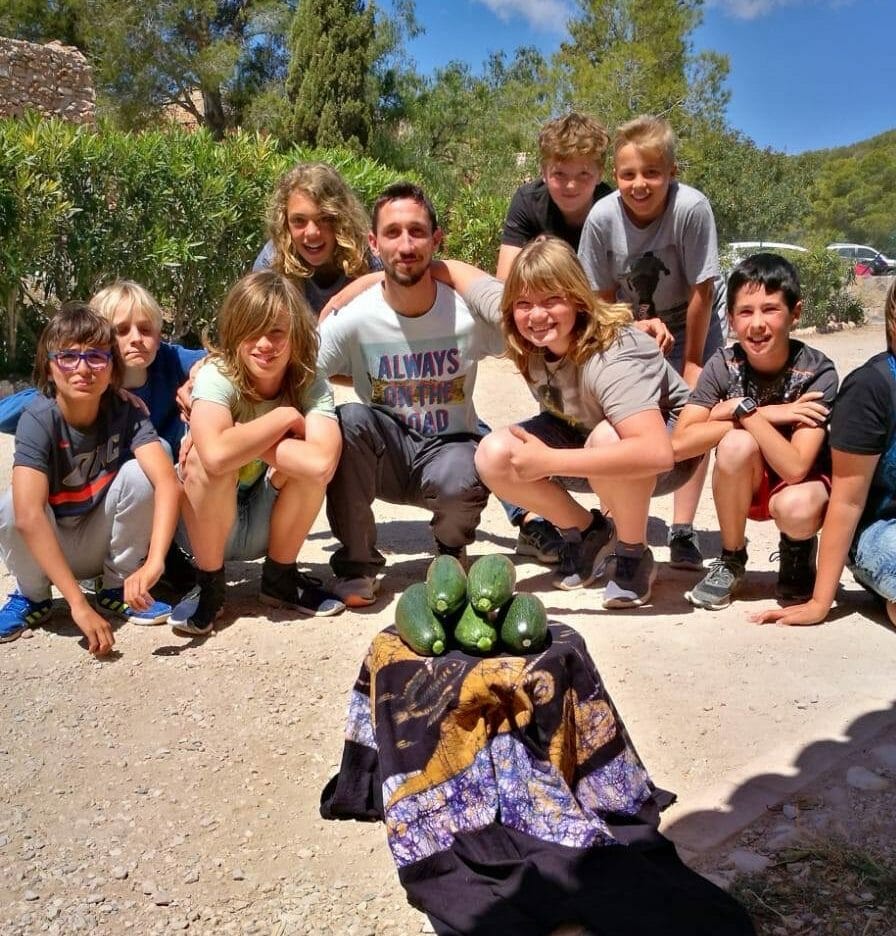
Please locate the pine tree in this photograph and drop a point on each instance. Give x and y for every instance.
(328, 84)
(630, 57)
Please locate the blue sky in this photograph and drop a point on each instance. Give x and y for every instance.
(805, 74)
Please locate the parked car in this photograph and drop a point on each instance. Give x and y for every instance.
(744, 248)
(865, 259)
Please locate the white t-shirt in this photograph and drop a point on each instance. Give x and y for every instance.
(419, 369)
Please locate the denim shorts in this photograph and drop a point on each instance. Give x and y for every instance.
(715, 339)
(249, 535)
(250, 532)
(873, 559)
(558, 434)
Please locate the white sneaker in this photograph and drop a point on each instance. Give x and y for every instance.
(185, 608)
(357, 592)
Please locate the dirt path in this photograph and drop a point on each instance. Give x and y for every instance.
(177, 785)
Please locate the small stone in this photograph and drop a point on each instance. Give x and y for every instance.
(179, 925)
(192, 876)
(149, 887)
(748, 862)
(161, 899)
(238, 874)
(30, 895)
(789, 811)
(120, 873)
(885, 754)
(782, 838)
(95, 898)
(860, 778)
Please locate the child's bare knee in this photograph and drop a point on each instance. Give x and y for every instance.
(602, 434)
(493, 453)
(736, 451)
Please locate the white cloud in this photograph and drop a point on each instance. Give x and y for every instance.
(752, 9)
(541, 14)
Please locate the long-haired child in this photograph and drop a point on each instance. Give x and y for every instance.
(93, 490)
(265, 444)
(318, 232)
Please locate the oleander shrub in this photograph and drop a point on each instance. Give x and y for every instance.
(177, 211)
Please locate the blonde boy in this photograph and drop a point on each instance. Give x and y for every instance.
(653, 244)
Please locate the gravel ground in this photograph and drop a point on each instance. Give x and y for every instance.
(175, 786)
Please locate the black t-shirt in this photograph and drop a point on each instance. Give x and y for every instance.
(532, 212)
(864, 423)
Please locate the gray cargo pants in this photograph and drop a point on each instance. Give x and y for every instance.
(382, 458)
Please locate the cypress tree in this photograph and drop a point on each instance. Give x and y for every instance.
(329, 73)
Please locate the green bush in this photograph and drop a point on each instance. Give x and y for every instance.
(173, 210)
(824, 278)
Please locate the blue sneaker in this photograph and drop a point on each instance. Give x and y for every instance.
(20, 613)
(112, 600)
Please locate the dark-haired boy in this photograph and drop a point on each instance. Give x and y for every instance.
(411, 346)
(762, 404)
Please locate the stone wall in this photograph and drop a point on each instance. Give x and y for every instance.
(53, 79)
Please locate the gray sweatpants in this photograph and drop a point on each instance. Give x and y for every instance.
(382, 458)
(112, 540)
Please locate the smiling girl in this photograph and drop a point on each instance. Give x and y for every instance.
(93, 491)
(265, 444)
(318, 232)
(606, 395)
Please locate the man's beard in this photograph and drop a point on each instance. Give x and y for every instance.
(402, 275)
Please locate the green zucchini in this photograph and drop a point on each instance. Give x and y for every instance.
(474, 632)
(446, 585)
(417, 626)
(524, 624)
(490, 582)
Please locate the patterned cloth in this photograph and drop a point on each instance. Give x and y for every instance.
(508, 786)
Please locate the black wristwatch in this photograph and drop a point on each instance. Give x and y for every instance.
(745, 408)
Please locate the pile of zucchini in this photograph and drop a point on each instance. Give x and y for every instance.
(479, 610)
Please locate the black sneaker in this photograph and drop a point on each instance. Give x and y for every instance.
(299, 591)
(684, 550)
(632, 581)
(716, 589)
(196, 614)
(796, 568)
(581, 563)
(540, 539)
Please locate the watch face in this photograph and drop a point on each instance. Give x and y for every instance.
(745, 407)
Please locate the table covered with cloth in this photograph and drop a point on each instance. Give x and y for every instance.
(513, 798)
